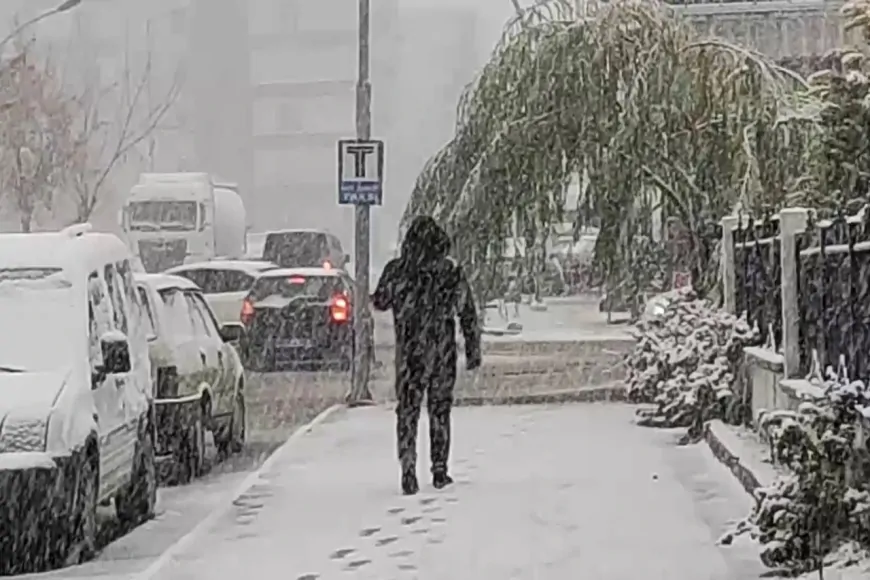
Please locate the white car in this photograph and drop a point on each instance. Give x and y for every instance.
(76, 411)
(225, 283)
(199, 375)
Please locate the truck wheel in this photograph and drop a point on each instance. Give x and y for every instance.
(137, 503)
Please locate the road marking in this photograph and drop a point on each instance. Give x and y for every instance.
(224, 507)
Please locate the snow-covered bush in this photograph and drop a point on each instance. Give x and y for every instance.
(685, 361)
(804, 516)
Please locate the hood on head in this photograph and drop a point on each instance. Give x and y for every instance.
(425, 242)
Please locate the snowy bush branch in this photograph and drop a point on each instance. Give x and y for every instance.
(685, 362)
(804, 516)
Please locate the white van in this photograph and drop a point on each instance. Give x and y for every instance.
(76, 426)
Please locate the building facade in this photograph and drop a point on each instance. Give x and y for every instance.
(303, 56)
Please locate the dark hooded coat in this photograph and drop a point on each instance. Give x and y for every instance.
(427, 291)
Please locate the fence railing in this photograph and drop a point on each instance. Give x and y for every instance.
(757, 269)
(834, 283)
(806, 285)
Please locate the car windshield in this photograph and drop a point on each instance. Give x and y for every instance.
(296, 249)
(288, 287)
(217, 281)
(37, 315)
(162, 215)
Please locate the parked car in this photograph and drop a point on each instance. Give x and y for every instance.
(224, 283)
(298, 316)
(76, 425)
(198, 373)
(304, 249)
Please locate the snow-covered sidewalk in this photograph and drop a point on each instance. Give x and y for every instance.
(542, 492)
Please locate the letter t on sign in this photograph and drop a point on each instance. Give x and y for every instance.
(360, 152)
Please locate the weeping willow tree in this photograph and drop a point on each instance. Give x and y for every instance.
(654, 115)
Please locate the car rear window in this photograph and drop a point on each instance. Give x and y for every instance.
(321, 287)
(219, 281)
(296, 249)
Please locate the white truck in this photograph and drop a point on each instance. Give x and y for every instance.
(172, 219)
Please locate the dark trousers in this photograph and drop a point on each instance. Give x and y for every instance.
(436, 385)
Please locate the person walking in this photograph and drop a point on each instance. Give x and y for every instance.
(426, 291)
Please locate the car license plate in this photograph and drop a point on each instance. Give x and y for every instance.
(295, 343)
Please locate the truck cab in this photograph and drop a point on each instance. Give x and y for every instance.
(171, 219)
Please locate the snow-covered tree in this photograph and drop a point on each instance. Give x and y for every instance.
(36, 137)
(631, 97)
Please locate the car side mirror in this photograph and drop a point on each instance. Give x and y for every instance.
(116, 354)
(232, 332)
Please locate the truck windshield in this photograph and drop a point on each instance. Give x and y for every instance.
(178, 216)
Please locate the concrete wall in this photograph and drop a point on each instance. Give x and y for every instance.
(776, 28)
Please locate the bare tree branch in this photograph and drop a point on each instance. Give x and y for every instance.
(108, 144)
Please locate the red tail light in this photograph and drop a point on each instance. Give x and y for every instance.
(339, 309)
(247, 313)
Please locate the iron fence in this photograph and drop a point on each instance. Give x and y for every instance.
(834, 296)
(757, 276)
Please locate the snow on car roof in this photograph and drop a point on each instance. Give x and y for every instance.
(247, 266)
(161, 282)
(65, 249)
(283, 272)
(299, 231)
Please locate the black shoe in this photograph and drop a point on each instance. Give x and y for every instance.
(409, 484)
(441, 480)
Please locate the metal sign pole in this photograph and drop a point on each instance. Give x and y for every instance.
(360, 394)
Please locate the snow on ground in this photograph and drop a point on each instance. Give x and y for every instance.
(542, 492)
(566, 319)
(179, 510)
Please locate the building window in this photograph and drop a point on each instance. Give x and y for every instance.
(286, 16)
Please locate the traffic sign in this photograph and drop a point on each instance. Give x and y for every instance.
(360, 172)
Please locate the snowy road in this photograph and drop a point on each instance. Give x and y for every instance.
(556, 493)
(278, 404)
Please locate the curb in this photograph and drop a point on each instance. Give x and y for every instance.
(608, 393)
(723, 448)
(154, 570)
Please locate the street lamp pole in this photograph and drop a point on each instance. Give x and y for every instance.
(62, 7)
(360, 394)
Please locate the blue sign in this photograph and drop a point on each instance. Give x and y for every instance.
(360, 172)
